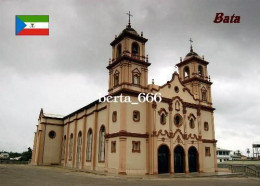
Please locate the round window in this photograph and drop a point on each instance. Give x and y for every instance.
(52, 134)
(177, 120)
(176, 89)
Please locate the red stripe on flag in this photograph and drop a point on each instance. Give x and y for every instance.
(34, 32)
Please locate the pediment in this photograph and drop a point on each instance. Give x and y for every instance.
(175, 89)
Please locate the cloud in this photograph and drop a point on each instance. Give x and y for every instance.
(65, 71)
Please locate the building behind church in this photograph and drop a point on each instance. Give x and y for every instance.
(175, 135)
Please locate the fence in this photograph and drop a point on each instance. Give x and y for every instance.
(249, 170)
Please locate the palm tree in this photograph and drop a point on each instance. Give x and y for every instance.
(248, 152)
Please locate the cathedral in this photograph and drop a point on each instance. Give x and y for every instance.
(172, 134)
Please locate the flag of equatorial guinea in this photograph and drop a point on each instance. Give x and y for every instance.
(32, 25)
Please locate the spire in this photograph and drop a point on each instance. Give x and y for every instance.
(191, 49)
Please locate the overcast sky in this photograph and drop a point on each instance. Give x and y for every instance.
(67, 70)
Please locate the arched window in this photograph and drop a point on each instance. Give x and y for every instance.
(192, 125)
(177, 105)
(186, 72)
(118, 50)
(163, 118)
(204, 95)
(79, 146)
(114, 116)
(70, 146)
(116, 78)
(206, 126)
(89, 144)
(136, 79)
(102, 144)
(177, 120)
(136, 115)
(63, 147)
(200, 70)
(135, 49)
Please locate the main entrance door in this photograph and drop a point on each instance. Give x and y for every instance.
(178, 160)
(163, 159)
(193, 159)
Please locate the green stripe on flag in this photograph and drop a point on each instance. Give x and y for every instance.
(34, 18)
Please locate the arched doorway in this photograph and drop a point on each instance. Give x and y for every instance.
(179, 160)
(163, 159)
(193, 159)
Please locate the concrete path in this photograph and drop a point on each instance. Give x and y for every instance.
(26, 175)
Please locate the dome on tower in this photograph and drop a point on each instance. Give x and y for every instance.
(130, 30)
(192, 53)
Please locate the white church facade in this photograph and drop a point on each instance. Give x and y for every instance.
(173, 135)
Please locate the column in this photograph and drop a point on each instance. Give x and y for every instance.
(67, 143)
(186, 154)
(122, 155)
(95, 141)
(154, 142)
(83, 152)
(75, 137)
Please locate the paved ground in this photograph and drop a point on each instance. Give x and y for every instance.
(47, 176)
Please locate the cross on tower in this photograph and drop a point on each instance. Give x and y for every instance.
(191, 49)
(191, 42)
(129, 14)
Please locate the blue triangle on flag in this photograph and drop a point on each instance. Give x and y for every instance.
(20, 25)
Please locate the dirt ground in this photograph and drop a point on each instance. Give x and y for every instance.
(26, 175)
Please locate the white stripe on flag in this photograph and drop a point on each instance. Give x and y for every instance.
(36, 25)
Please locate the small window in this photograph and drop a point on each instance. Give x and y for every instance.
(136, 146)
(200, 70)
(206, 126)
(163, 118)
(177, 120)
(207, 151)
(114, 116)
(192, 125)
(177, 105)
(136, 79)
(116, 79)
(52, 134)
(118, 50)
(136, 115)
(176, 89)
(135, 48)
(204, 97)
(113, 146)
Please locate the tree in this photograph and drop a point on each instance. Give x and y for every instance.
(14, 154)
(27, 155)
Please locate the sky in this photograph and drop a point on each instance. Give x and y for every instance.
(66, 70)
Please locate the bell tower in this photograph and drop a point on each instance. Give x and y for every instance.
(128, 68)
(194, 75)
